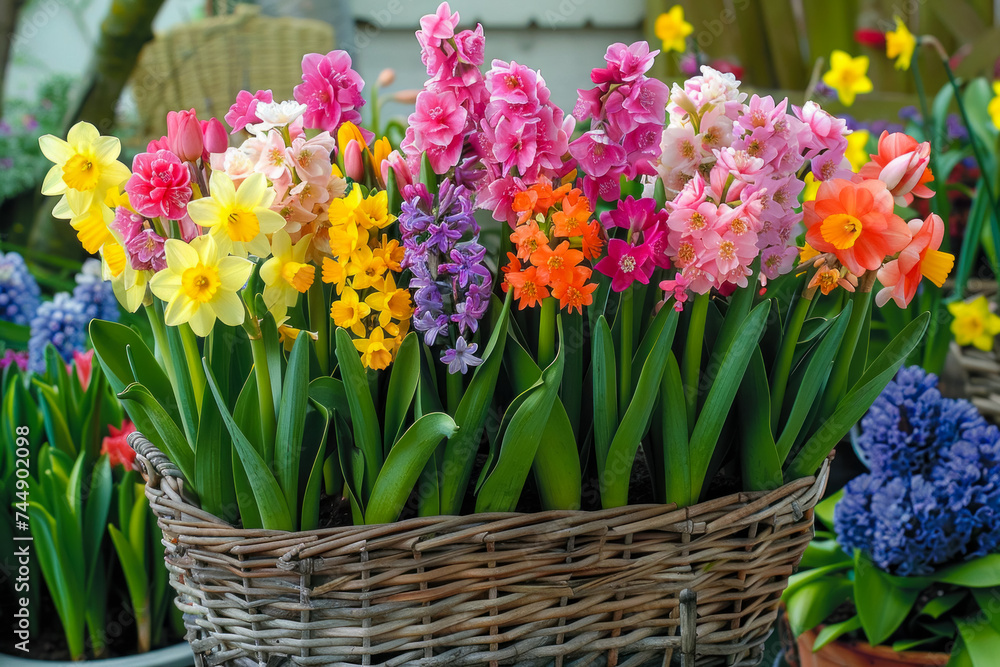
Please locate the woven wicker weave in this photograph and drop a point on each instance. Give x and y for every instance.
(206, 63)
(626, 586)
(981, 377)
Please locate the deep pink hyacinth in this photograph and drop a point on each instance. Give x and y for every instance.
(438, 118)
(625, 63)
(160, 185)
(625, 264)
(244, 110)
(439, 25)
(596, 153)
(331, 91)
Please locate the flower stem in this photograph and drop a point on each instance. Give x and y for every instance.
(547, 333)
(265, 399)
(928, 125)
(319, 320)
(192, 356)
(154, 312)
(453, 388)
(691, 367)
(837, 385)
(786, 354)
(625, 351)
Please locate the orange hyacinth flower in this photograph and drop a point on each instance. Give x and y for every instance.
(855, 222)
(555, 265)
(528, 238)
(573, 218)
(513, 266)
(575, 292)
(528, 288)
(920, 259)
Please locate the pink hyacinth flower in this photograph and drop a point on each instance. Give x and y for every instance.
(331, 91)
(441, 24)
(160, 185)
(625, 264)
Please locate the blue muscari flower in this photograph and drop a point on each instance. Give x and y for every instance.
(61, 322)
(19, 292)
(96, 294)
(933, 494)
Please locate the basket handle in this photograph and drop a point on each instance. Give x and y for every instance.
(151, 462)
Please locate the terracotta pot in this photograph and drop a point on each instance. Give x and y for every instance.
(843, 654)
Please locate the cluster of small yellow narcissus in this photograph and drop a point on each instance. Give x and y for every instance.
(364, 261)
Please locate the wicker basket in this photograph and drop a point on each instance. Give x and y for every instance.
(206, 63)
(981, 378)
(626, 586)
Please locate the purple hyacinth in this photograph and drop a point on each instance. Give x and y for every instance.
(451, 286)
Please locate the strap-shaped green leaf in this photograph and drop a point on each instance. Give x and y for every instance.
(676, 453)
(270, 499)
(187, 402)
(882, 607)
(759, 461)
(364, 419)
(247, 415)
(291, 423)
(176, 446)
(317, 426)
(65, 584)
(95, 515)
(134, 569)
(53, 414)
(402, 387)
(605, 394)
(404, 464)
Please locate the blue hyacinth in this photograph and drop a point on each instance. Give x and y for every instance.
(933, 494)
(96, 294)
(19, 293)
(61, 322)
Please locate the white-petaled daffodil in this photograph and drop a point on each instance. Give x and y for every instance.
(238, 220)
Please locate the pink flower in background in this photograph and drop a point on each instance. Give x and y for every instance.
(184, 136)
(331, 91)
(596, 153)
(115, 445)
(145, 251)
(14, 357)
(235, 162)
(625, 264)
(439, 121)
(625, 63)
(160, 185)
(470, 46)
(83, 362)
(826, 132)
(274, 161)
(678, 289)
(439, 25)
(244, 110)
(214, 138)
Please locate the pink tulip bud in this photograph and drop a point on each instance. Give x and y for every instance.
(385, 78)
(157, 145)
(184, 136)
(215, 138)
(354, 166)
(398, 164)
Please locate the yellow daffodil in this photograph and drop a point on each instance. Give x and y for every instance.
(344, 209)
(994, 106)
(365, 268)
(900, 44)
(811, 188)
(128, 284)
(380, 153)
(390, 252)
(857, 149)
(376, 350)
(200, 284)
(286, 274)
(85, 163)
(349, 311)
(848, 76)
(398, 331)
(806, 253)
(335, 271)
(287, 335)
(673, 30)
(389, 301)
(91, 226)
(346, 238)
(374, 211)
(239, 221)
(974, 324)
(345, 133)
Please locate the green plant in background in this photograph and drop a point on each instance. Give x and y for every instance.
(80, 488)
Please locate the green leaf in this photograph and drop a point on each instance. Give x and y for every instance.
(272, 352)
(676, 453)
(882, 606)
(473, 410)
(95, 514)
(64, 583)
(53, 413)
(270, 500)
(502, 488)
(981, 641)
(175, 445)
(246, 413)
(404, 464)
(364, 419)
(815, 376)
(352, 463)
(605, 393)
(823, 552)
(853, 407)
(939, 606)
(759, 458)
(814, 602)
(213, 452)
(910, 644)
(825, 509)
(983, 572)
(402, 387)
(720, 397)
(314, 476)
(621, 455)
(183, 384)
(291, 424)
(135, 571)
(835, 631)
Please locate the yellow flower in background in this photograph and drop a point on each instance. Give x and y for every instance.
(84, 164)
(389, 301)
(287, 335)
(811, 188)
(239, 221)
(900, 44)
(857, 149)
(349, 311)
(673, 30)
(376, 350)
(200, 284)
(974, 324)
(848, 76)
(335, 271)
(994, 106)
(286, 274)
(806, 253)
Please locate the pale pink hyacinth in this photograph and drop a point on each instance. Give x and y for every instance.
(331, 92)
(826, 132)
(244, 110)
(274, 161)
(235, 162)
(312, 157)
(160, 185)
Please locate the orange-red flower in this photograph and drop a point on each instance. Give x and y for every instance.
(529, 289)
(513, 266)
(555, 265)
(538, 198)
(855, 222)
(528, 238)
(592, 241)
(902, 164)
(920, 259)
(573, 218)
(575, 292)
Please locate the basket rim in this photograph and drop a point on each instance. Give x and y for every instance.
(156, 469)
